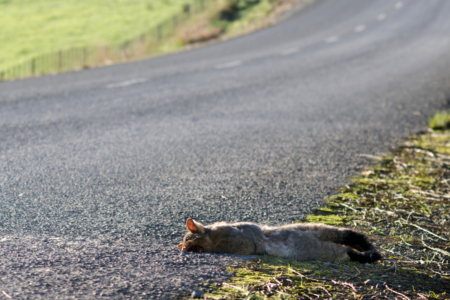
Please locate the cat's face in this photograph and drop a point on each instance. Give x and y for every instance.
(197, 239)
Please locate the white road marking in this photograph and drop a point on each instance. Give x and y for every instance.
(289, 51)
(229, 64)
(360, 28)
(332, 39)
(381, 17)
(126, 83)
(399, 4)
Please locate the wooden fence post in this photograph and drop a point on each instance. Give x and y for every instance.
(78, 62)
(75, 58)
(41, 65)
(38, 64)
(97, 55)
(69, 59)
(59, 61)
(68, 63)
(159, 33)
(174, 22)
(79, 57)
(70, 54)
(84, 57)
(33, 66)
(47, 67)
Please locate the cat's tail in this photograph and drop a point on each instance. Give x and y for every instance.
(360, 248)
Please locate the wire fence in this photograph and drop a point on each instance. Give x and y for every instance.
(87, 57)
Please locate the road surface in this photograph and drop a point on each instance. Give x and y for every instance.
(99, 169)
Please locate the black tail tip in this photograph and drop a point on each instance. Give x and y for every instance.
(364, 257)
(356, 240)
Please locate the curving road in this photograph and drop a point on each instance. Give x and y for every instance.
(99, 169)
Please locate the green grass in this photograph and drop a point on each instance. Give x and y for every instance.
(440, 120)
(33, 27)
(327, 219)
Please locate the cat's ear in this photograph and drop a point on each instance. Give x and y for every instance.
(194, 226)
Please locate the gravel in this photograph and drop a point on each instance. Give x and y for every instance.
(64, 268)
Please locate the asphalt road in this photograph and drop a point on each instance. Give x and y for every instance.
(99, 169)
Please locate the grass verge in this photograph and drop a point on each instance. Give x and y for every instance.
(229, 19)
(403, 203)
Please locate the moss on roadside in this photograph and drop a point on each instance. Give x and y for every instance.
(403, 204)
(327, 219)
(440, 121)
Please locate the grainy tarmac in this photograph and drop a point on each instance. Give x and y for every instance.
(99, 169)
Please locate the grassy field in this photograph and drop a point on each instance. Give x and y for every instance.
(32, 27)
(47, 36)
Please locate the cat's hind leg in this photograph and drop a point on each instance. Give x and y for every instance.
(366, 251)
(334, 251)
(370, 256)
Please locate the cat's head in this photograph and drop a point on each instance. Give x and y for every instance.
(197, 239)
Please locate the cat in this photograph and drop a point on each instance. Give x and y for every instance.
(302, 242)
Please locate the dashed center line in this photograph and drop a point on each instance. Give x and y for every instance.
(360, 28)
(126, 83)
(398, 5)
(381, 17)
(332, 39)
(229, 64)
(289, 51)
